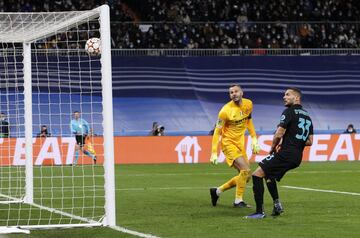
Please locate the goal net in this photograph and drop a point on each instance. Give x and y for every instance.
(56, 126)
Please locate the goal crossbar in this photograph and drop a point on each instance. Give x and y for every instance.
(13, 25)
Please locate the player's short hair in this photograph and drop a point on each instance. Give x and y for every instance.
(76, 112)
(235, 85)
(296, 90)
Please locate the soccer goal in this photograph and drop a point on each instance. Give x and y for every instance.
(48, 178)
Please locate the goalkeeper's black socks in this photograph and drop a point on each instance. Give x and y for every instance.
(258, 189)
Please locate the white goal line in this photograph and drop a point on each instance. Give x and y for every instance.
(89, 222)
(131, 232)
(204, 188)
(321, 190)
(10, 199)
(224, 173)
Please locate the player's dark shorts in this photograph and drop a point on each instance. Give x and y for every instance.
(275, 166)
(80, 140)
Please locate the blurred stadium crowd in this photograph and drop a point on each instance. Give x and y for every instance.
(246, 10)
(220, 24)
(234, 35)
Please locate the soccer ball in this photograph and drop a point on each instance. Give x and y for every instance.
(93, 46)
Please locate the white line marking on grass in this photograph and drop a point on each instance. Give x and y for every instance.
(225, 173)
(163, 188)
(203, 188)
(324, 171)
(131, 232)
(171, 174)
(321, 190)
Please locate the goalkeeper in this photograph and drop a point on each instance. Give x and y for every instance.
(81, 129)
(234, 118)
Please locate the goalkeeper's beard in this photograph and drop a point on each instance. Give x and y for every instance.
(237, 100)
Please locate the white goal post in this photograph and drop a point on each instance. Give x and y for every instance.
(46, 77)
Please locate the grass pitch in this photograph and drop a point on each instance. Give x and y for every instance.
(174, 201)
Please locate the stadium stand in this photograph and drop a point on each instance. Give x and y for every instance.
(231, 35)
(239, 24)
(178, 90)
(246, 10)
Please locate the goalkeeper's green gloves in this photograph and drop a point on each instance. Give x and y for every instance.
(255, 145)
(214, 158)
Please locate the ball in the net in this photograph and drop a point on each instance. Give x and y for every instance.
(93, 46)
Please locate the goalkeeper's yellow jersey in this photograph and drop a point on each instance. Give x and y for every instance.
(233, 121)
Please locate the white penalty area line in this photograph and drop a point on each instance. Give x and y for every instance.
(203, 188)
(226, 173)
(321, 190)
(131, 232)
(161, 188)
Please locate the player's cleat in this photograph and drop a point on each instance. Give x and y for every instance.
(241, 205)
(94, 159)
(214, 196)
(278, 209)
(256, 216)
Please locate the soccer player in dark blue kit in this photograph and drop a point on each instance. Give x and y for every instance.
(294, 132)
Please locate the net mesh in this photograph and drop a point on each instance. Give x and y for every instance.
(65, 79)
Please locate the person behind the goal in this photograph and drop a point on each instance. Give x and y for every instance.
(81, 129)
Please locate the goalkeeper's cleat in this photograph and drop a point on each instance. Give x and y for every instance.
(277, 209)
(242, 204)
(214, 196)
(94, 159)
(256, 216)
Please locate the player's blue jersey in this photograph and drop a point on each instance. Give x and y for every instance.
(79, 127)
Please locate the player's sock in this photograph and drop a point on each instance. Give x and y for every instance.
(272, 187)
(258, 189)
(229, 184)
(89, 154)
(238, 200)
(76, 156)
(240, 185)
(90, 148)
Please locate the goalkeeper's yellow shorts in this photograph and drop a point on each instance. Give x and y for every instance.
(232, 152)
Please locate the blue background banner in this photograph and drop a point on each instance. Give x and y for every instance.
(182, 93)
(186, 93)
